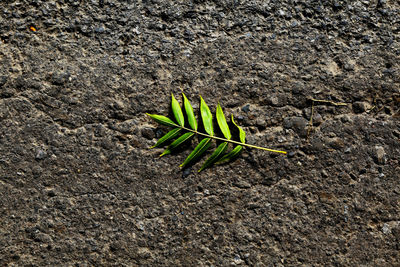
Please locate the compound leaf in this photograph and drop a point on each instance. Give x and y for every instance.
(168, 136)
(223, 125)
(198, 151)
(218, 156)
(183, 138)
(189, 113)
(176, 109)
(206, 117)
(215, 155)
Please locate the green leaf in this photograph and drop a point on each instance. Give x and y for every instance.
(223, 125)
(183, 138)
(242, 134)
(198, 151)
(163, 120)
(176, 109)
(206, 117)
(190, 113)
(215, 155)
(230, 156)
(170, 135)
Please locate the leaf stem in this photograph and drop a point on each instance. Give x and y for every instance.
(230, 141)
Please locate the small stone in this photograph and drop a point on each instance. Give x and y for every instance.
(186, 172)
(336, 143)
(41, 237)
(159, 133)
(37, 171)
(298, 124)
(237, 260)
(115, 247)
(273, 101)
(381, 4)
(349, 67)
(336, 5)
(345, 118)
(3, 80)
(324, 173)
(317, 119)
(148, 133)
(386, 228)
(40, 154)
(396, 232)
(16, 257)
(119, 105)
(242, 184)
(60, 78)
(307, 77)
(99, 30)
(379, 155)
(246, 108)
(291, 154)
(260, 122)
(360, 107)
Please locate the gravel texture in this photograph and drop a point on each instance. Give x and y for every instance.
(79, 185)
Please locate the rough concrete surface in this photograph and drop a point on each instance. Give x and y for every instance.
(79, 185)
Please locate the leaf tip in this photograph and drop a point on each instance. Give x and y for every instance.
(201, 169)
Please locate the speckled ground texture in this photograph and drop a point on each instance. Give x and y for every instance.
(79, 185)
